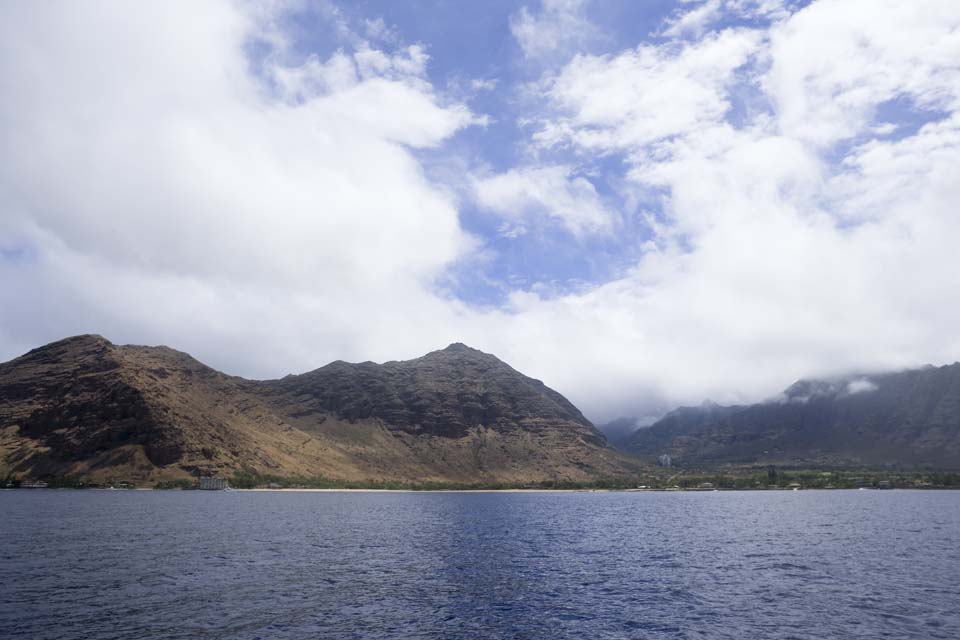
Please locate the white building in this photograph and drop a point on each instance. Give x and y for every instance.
(214, 484)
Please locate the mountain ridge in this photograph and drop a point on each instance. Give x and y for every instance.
(83, 406)
(909, 417)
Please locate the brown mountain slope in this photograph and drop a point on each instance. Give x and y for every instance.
(86, 407)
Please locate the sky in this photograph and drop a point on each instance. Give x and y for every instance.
(643, 204)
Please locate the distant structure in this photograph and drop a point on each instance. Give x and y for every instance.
(34, 484)
(664, 460)
(214, 484)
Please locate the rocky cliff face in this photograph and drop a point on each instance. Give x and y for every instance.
(445, 393)
(86, 407)
(72, 400)
(905, 418)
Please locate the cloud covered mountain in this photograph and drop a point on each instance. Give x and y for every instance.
(909, 418)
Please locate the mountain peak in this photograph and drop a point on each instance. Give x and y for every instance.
(84, 339)
(460, 351)
(459, 347)
(85, 345)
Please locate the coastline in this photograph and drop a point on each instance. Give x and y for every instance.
(480, 490)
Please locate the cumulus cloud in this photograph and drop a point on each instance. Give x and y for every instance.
(861, 385)
(644, 95)
(163, 192)
(551, 191)
(774, 259)
(697, 16)
(832, 67)
(694, 21)
(554, 30)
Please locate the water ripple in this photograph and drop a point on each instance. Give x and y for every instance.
(154, 565)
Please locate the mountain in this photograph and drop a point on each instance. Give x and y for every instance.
(619, 431)
(909, 418)
(85, 407)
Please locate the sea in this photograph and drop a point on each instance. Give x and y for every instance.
(553, 565)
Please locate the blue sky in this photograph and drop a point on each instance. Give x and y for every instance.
(644, 204)
(473, 42)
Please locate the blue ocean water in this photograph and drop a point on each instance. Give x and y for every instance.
(813, 564)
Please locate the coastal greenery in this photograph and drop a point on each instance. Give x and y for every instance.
(766, 478)
(728, 479)
(251, 481)
(12, 481)
(175, 484)
(776, 478)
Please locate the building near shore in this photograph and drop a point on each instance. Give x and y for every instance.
(213, 484)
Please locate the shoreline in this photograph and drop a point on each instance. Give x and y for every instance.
(368, 490)
(651, 490)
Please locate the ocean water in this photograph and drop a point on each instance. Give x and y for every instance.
(807, 564)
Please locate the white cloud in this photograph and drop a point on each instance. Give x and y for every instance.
(697, 16)
(775, 261)
(376, 29)
(166, 195)
(644, 95)
(836, 61)
(695, 20)
(557, 29)
(511, 230)
(487, 84)
(552, 191)
(861, 385)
